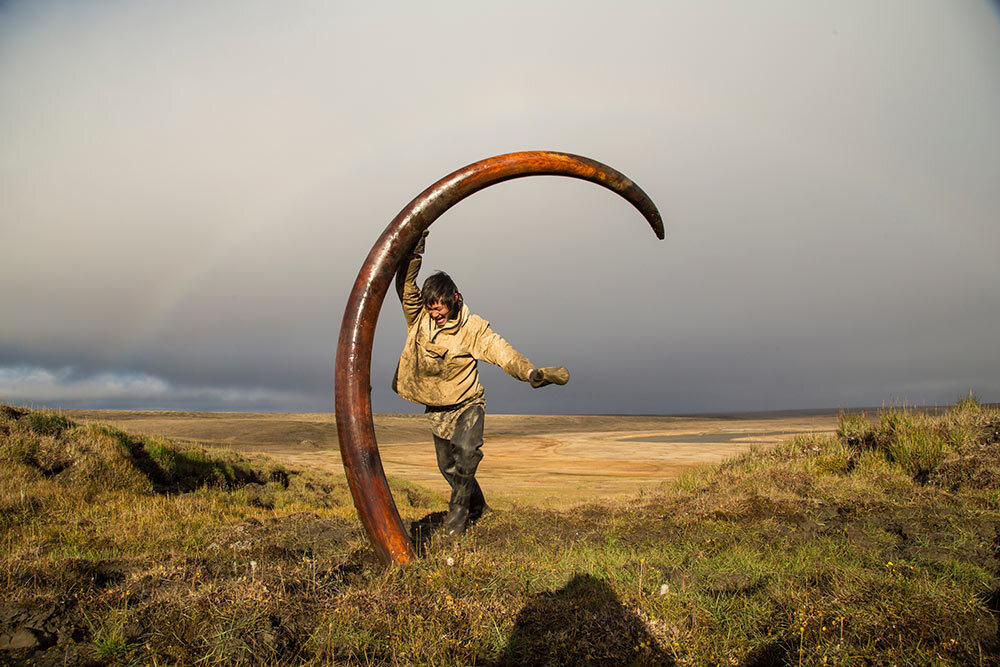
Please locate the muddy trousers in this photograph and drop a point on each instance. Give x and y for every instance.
(457, 460)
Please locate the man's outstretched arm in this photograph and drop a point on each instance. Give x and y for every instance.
(406, 282)
(492, 348)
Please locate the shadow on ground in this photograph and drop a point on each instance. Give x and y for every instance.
(422, 530)
(582, 623)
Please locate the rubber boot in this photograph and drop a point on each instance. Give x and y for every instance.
(458, 508)
(477, 503)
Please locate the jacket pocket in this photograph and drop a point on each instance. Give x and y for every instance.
(432, 357)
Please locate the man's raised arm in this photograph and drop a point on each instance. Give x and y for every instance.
(406, 282)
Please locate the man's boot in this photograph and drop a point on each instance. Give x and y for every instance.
(458, 507)
(477, 503)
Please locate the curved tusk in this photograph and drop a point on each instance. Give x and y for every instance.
(352, 390)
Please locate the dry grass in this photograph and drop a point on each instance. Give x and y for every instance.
(874, 546)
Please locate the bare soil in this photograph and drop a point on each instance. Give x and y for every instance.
(547, 460)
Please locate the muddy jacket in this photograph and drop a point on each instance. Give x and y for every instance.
(438, 364)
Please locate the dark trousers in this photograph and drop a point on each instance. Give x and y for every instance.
(459, 457)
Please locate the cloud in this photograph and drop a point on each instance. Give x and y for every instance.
(62, 387)
(187, 191)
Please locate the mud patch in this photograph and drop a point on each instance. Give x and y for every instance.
(42, 633)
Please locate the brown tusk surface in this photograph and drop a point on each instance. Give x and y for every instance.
(352, 388)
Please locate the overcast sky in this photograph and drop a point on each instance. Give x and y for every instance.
(188, 189)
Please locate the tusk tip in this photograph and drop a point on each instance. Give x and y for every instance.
(656, 222)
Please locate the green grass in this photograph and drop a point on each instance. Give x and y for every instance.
(874, 546)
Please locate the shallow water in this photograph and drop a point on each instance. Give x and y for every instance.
(713, 437)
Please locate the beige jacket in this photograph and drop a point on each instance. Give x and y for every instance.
(438, 364)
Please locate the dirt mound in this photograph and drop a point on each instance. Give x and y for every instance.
(43, 634)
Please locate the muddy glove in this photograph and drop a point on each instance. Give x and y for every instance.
(548, 375)
(418, 248)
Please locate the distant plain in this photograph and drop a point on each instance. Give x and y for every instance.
(546, 460)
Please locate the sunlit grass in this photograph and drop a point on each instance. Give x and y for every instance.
(876, 545)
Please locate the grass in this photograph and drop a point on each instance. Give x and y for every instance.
(877, 545)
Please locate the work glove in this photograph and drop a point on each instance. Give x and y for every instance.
(548, 375)
(418, 248)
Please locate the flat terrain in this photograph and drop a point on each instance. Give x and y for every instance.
(552, 461)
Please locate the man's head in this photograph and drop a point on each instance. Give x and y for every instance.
(441, 297)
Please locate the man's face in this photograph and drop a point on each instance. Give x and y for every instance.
(438, 312)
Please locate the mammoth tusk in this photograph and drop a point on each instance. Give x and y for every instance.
(352, 390)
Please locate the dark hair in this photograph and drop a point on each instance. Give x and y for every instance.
(440, 287)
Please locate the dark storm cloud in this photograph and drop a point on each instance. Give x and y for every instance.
(187, 191)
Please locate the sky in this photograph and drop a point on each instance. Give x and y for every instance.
(188, 189)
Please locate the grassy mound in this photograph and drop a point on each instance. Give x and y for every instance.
(105, 536)
(878, 545)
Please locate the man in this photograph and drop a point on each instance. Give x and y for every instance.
(437, 369)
